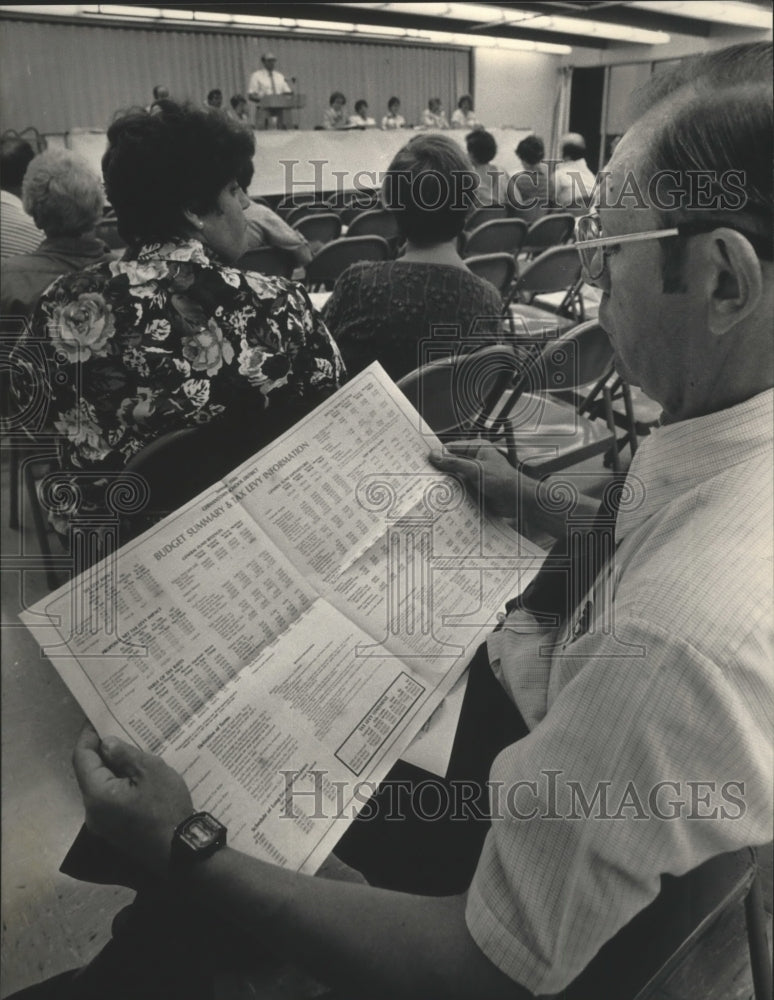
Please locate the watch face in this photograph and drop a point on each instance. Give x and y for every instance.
(201, 831)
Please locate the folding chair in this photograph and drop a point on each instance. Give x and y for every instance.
(555, 270)
(268, 260)
(334, 258)
(497, 268)
(552, 230)
(295, 215)
(498, 236)
(322, 227)
(502, 393)
(485, 213)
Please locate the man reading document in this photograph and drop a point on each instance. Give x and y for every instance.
(644, 715)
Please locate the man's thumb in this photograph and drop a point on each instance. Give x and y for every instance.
(120, 757)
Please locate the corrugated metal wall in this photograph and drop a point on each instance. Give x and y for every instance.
(59, 76)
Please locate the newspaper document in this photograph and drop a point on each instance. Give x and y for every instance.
(282, 638)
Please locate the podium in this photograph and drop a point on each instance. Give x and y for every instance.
(276, 110)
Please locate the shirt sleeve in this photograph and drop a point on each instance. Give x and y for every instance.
(266, 227)
(647, 762)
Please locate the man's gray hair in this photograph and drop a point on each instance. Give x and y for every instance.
(62, 193)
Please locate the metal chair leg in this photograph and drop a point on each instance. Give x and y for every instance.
(760, 953)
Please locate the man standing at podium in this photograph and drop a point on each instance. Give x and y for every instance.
(267, 82)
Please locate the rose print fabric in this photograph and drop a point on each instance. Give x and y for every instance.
(169, 338)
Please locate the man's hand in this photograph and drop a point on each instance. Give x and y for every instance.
(132, 799)
(486, 472)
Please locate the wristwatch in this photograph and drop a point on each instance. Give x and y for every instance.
(195, 839)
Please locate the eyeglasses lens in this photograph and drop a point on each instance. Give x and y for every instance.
(592, 258)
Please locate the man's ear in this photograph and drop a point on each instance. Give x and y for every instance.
(735, 282)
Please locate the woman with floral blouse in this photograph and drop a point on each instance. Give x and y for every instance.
(172, 335)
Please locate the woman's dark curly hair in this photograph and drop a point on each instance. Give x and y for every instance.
(160, 163)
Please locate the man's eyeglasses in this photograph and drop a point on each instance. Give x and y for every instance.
(594, 248)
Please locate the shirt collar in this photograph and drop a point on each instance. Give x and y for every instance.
(180, 250)
(83, 245)
(10, 199)
(678, 457)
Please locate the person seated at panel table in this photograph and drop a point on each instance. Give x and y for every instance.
(361, 117)
(384, 310)
(18, 233)
(238, 111)
(160, 93)
(214, 101)
(266, 229)
(335, 116)
(64, 196)
(393, 119)
(482, 149)
(434, 116)
(527, 189)
(463, 116)
(173, 335)
(573, 184)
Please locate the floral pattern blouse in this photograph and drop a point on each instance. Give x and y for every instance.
(167, 338)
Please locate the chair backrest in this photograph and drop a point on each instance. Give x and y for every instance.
(295, 215)
(486, 213)
(635, 964)
(452, 393)
(334, 258)
(268, 260)
(375, 222)
(357, 205)
(555, 270)
(550, 231)
(295, 200)
(497, 236)
(179, 465)
(497, 268)
(340, 200)
(528, 215)
(322, 227)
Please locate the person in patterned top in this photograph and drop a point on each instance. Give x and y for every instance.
(172, 335)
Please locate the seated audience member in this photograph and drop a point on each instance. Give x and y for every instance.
(393, 118)
(654, 700)
(172, 335)
(382, 310)
(215, 100)
(482, 149)
(64, 197)
(238, 111)
(266, 229)
(361, 117)
(18, 233)
(335, 116)
(462, 116)
(528, 188)
(434, 116)
(573, 182)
